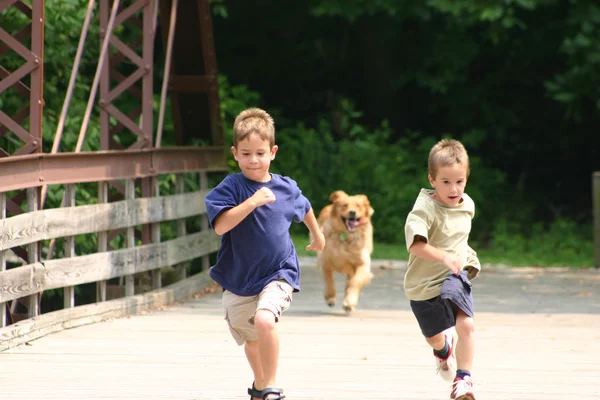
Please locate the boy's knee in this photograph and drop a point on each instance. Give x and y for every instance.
(264, 320)
(436, 341)
(465, 326)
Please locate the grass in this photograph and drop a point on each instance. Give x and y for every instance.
(520, 254)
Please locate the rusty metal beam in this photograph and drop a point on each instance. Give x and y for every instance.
(20, 36)
(18, 117)
(36, 99)
(72, 79)
(4, 4)
(195, 104)
(190, 84)
(15, 45)
(167, 73)
(125, 85)
(210, 70)
(20, 87)
(138, 11)
(127, 51)
(33, 67)
(104, 54)
(32, 170)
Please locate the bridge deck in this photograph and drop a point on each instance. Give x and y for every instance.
(538, 337)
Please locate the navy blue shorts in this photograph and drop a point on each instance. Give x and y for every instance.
(438, 314)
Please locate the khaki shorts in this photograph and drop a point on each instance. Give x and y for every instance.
(239, 310)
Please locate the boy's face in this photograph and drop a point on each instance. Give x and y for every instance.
(254, 157)
(449, 184)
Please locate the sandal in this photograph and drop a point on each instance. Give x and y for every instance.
(253, 392)
(270, 392)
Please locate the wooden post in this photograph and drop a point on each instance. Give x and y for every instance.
(180, 189)
(2, 259)
(69, 201)
(130, 238)
(155, 229)
(204, 219)
(596, 197)
(102, 240)
(33, 199)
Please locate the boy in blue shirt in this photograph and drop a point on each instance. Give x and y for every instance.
(257, 264)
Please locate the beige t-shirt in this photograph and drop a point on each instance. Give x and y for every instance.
(444, 227)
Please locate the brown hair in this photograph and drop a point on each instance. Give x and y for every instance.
(447, 152)
(253, 121)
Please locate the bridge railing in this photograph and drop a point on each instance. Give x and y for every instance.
(596, 200)
(100, 221)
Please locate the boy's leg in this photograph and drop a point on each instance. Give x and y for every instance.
(253, 356)
(437, 342)
(462, 388)
(238, 311)
(268, 347)
(275, 298)
(443, 345)
(436, 318)
(465, 349)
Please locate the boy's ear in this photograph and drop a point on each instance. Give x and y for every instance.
(273, 151)
(431, 181)
(234, 151)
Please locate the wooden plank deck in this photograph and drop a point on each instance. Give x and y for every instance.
(538, 337)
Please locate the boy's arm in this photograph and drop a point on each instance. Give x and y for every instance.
(473, 266)
(317, 238)
(420, 248)
(230, 218)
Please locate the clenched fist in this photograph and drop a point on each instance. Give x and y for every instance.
(263, 196)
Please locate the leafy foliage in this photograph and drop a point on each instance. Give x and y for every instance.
(360, 90)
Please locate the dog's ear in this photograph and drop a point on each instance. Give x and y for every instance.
(364, 199)
(337, 195)
(367, 203)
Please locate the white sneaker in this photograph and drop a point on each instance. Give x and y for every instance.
(446, 367)
(462, 389)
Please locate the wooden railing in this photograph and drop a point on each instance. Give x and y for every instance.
(29, 229)
(596, 200)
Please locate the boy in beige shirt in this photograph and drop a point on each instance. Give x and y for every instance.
(441, 264)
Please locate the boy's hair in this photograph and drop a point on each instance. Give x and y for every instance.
(253, 121)
(447, 152)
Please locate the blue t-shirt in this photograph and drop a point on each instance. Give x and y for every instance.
(259, 249)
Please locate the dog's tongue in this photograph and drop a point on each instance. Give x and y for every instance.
(351, 224)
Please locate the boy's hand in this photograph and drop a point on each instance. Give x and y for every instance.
(317, 243)
(452, 262)
(262, 196)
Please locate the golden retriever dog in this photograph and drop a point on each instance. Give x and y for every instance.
(346, 224)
